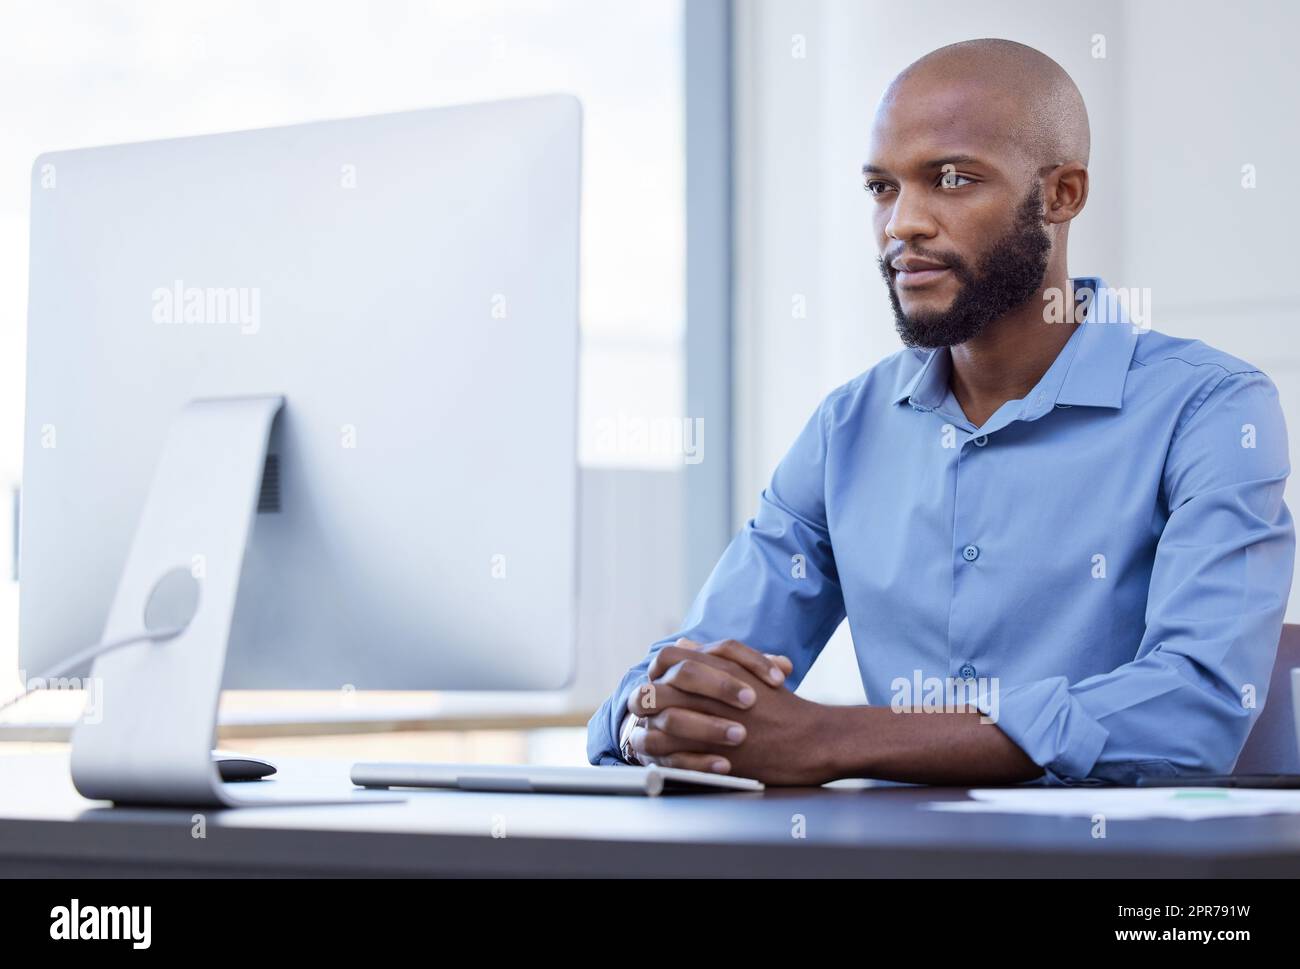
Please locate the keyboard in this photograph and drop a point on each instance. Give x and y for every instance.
(643, 781)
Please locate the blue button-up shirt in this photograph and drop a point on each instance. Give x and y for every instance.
(1108, 559)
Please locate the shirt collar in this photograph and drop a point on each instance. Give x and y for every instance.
(1090, 370)
(1106, 344)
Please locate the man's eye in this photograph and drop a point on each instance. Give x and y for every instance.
(953, 180)
(875, 187)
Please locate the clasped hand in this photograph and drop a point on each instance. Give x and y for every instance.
(723, 708)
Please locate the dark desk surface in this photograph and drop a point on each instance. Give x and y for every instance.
(46, 828)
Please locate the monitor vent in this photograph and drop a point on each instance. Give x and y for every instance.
(268, 500)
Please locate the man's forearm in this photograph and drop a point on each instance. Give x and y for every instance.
(923, 748)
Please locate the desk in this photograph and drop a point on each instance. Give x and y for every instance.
(46, 828)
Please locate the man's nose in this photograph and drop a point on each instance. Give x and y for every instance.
(909, 219)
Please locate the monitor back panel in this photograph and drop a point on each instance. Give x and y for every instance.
(409, 283)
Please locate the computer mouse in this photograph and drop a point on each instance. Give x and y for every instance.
(241, 767)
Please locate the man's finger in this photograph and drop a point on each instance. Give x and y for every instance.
(760, 664)
(708, 763)
(656, 747)
(692, 725)
(650, 698)
(766, 667)
(690, 671)
(785, 662)
(670, 656)
(704, 679)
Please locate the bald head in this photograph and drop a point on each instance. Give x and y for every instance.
(1036, 103)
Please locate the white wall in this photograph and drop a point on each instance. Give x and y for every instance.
(1186, 94)
(1209, 89)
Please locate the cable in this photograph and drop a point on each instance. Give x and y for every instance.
(91, 652)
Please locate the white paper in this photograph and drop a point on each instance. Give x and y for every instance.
(1126, 804)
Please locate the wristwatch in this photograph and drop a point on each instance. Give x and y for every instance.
(630, 723)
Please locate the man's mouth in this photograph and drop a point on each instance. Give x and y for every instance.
(911, 272)
(919, 275)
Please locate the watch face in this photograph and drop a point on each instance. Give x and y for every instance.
(625, 741)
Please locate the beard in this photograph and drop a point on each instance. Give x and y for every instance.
(1009, 274)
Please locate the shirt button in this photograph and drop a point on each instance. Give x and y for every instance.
(981, 440)
(967, 672)
(970, 553)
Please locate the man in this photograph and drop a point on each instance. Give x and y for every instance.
(1072, 525)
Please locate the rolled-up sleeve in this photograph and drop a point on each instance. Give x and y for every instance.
(775, 588)
(1219, 586)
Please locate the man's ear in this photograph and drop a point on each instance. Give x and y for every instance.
(1065, 192)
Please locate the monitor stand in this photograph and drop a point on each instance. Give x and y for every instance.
(151, 740)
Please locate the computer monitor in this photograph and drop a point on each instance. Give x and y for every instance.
(408, 285)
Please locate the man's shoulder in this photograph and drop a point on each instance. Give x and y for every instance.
(1191, 358)
(1189, 373)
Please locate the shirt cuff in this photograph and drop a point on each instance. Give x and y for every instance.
(1049, 724)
